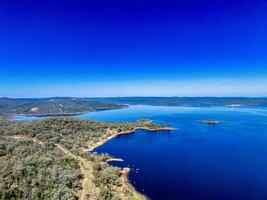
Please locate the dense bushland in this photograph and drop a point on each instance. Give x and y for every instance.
(53, 106)
(32, 167)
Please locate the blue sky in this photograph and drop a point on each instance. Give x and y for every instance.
(133, 48)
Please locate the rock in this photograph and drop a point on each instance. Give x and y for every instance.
(36, 109)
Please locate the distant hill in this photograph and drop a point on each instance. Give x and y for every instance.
(72, 106)
(53, 106)
(187, 101)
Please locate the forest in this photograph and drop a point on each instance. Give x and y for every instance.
(58, 106)
(44, 159)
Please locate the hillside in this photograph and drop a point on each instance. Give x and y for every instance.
(187, 101)
(53, 106)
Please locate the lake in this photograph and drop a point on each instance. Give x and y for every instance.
(226, 161)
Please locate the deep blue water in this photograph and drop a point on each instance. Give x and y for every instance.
(227, 161)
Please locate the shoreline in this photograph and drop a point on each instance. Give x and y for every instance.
(48, 115)
(12, 115)
(113, 133)
(127, 183)
(125, 171)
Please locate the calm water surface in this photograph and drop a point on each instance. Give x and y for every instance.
(227, 161)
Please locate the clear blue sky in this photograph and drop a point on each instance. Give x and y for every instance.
(133, 48)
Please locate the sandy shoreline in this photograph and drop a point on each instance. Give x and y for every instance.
(113, 133)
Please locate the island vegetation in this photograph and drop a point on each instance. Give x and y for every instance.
(48, 159)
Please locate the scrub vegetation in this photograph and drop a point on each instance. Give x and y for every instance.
(53, 106)
(47, 159)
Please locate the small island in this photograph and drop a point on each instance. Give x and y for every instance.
(234, 105)
(210, 121)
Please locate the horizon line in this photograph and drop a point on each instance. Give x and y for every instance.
(98, 97)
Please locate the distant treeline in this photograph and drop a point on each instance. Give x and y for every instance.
(53, 106)
(186, 101)
(71, 106)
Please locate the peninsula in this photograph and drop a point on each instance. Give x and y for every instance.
(52, 155)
